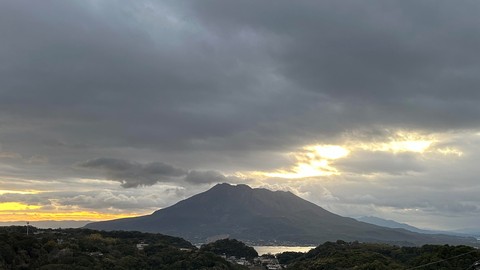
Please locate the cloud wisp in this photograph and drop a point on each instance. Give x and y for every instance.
(133, 174)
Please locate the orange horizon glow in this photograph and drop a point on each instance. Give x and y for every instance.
(77, 216)
(16, 211)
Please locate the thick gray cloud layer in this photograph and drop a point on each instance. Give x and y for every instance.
(225, 86)
(229, 75)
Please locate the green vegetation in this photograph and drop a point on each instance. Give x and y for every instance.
(88, 249)
(288, 257)
(78, 249)
(343, 255)
(230, 247)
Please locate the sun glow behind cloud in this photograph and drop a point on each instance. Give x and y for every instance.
(313, 160)
(319, 159)
(400, 141)
(328, 151)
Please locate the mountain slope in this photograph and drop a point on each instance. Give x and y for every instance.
(262, 216)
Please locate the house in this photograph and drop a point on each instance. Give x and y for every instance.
(96, 254)
(141, 246)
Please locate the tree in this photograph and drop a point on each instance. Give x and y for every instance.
(230, 247)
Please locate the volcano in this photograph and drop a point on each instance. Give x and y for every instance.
(261, 216)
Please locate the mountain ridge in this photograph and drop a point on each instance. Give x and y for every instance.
(257, 215)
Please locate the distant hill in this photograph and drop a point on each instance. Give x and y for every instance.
(469, 231)
(397, 225)
(262, 216)
(394, 224)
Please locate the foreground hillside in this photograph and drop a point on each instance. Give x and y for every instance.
(87, 249)
(343, 255)
(261, 216)
(82, 249)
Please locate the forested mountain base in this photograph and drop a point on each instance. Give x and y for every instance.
(87, 249)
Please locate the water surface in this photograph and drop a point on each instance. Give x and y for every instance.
(279, 249)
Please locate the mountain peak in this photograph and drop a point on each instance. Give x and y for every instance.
(244, 187)
(230, 186)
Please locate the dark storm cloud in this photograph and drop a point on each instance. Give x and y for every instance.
(232, 75)
(389, 61)
(84, 60)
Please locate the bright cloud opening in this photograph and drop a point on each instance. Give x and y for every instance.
(319, 159)
(329, 151)
(400, 146)
(400, 141)
(311, 161)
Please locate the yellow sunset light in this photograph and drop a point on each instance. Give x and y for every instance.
(18, 211)
(16, 206)
(76, 215)
(6, 191)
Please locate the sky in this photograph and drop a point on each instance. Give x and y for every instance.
(111, 108)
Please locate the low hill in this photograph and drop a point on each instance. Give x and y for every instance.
(262, 216)
(82, 249)
(397, 225)
(343, 255)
